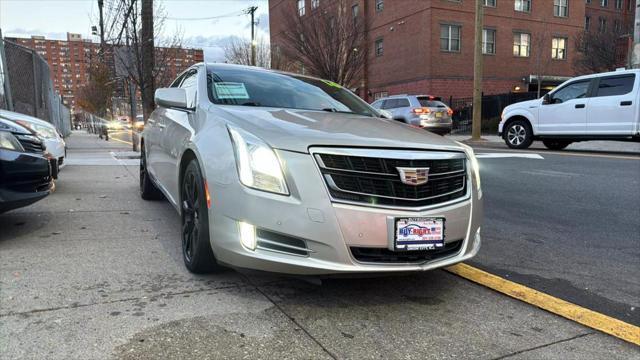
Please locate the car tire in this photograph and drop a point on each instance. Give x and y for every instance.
(148, 190)
(556, 144)
(518, 135)
(196, 245)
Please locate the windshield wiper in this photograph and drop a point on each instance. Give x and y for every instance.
(337, 111)
(251, 103)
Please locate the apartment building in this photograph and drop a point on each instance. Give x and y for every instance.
(426, 46)
(69, 62)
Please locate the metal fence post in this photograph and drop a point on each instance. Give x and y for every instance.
(4, 75)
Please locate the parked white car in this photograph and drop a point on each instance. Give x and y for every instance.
(601, 106)
(55, 146)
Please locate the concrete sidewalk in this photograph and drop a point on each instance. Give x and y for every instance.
(494, 141)
(95, 272)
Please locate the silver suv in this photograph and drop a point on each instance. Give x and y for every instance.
(424, 111)
(293, 174)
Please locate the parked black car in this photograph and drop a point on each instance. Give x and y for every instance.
(25, 173)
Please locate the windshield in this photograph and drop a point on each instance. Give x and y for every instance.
(243, 87)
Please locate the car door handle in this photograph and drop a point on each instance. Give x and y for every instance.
(580, 106)
(162, 126)
(150, 121)
(626, 103)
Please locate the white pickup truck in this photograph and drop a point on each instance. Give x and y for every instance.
(603, 106)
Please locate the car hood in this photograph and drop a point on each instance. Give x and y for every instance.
(297, 130)
(522, 105)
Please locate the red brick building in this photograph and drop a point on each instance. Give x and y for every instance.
(69, 62)
(426, 46)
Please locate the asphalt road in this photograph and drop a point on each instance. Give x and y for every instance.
(568, 225)
(94, 272)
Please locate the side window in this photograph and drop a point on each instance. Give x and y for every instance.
(403, 103)
(576, 90)
(189, 84)
(616, 85)
(388, 104)
(377, 104)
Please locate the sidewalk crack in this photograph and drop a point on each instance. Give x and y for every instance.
(543, 346)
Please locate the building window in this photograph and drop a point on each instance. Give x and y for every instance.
(521, 44)
(616, 26)
(488, 41)
(490, 3)
(379, 5)
(380, 95)
(602, 25)
(355, 10)
(560, 8)
(450, 38)
(559, 48)
(604, 3)
(315, 4)
(379, 47)
(301, 9)
(523, 5)
(618, 4)
(587, 22)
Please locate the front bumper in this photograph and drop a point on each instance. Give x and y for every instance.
(26, 179)
(328, 229)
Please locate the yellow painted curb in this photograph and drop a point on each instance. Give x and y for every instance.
(586, 317)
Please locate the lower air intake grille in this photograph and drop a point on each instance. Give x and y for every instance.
(383, 255)
(268, 240)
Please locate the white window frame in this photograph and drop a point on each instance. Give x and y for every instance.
(315, 4)
(561, 8)
(378, 41)
(485, 42)
(519, 45)
(522, 5)
(490, 3)
(557, 52)
(450, 39)
(379, 5)
(604, 3)
(618, 4)
(301, 7)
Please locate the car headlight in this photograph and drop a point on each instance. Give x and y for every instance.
(42, 131)
(9, 142)
(475, 166)
(258, 165)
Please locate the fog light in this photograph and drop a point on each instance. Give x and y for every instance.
(477, 239)
(247, 235)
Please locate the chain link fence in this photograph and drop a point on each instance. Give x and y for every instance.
(492, 106)
(28, 88)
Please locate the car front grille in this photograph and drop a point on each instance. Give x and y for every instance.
(383, 255)
(31, 143)
(373, 177)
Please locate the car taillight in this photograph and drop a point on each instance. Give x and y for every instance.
(421, 110)
(450, 112)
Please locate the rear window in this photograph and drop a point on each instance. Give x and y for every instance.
(396, 103)
(425, 102)
(616, 85)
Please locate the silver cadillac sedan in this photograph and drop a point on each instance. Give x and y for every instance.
(292, 174)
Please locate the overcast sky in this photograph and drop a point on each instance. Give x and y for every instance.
(54, 18)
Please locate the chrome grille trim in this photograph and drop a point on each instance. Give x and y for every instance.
(373, 180)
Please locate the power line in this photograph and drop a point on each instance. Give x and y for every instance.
(235, 13)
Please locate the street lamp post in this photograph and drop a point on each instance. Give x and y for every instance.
(476, 126)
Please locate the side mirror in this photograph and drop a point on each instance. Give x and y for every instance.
(171, 97)
(385, 114)
(546, 99)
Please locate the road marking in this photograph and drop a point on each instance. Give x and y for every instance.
(122, 141)
(508, 155)
(566, 153)
(549, 173)
(586, 317)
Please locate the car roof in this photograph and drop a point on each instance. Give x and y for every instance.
(609, 73)
(10, 115)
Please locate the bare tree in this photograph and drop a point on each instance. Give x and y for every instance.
(238, 51)
(541, 46)
(125, 34)
(330, 45)
(597, 52)
(95, 96)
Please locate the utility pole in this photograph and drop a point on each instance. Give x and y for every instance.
(101, 24)
(148, 58)
(252, 11)
(132, 99)
(635, 60)
(476, 126)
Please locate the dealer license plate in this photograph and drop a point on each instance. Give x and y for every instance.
(419, 234)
